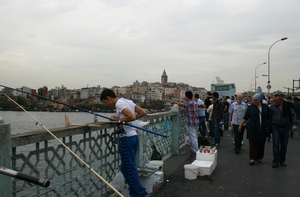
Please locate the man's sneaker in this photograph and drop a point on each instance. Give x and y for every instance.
(192, 152)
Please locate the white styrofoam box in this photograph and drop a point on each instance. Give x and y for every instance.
(208, 157)
(205, 167)
(161, 176)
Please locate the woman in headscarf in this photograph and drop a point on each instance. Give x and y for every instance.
(256, 117)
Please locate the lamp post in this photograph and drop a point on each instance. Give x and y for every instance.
(269, 86)
(288, 90)
(255, 75)
(251, 82)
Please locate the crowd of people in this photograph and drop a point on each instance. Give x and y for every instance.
(262, 119)
(278, 117)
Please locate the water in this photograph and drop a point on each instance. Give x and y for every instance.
(21, 121)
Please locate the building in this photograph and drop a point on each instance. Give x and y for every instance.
(164, 78)
(43, 91)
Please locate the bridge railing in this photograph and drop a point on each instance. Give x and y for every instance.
(36, 153)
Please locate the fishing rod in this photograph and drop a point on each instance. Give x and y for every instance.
(91, 112)
(66, 147)
(24, 177)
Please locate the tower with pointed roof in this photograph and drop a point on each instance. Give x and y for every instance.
(164, 78)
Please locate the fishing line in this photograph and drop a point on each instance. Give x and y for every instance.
(91, 112)
(65, 146)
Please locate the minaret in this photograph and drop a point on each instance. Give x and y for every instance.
(164, 78)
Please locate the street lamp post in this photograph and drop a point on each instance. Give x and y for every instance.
(269, 86)
(251, 82)
(255, 75)
(288, 90)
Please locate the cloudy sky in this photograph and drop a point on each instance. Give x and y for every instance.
(76, 43)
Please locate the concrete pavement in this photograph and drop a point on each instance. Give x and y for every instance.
(233, 175)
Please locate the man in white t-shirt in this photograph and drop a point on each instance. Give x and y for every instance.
(127, 111)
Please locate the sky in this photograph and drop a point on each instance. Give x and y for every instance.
(80, 43)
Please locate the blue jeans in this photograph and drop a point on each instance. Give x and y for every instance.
(202, 125)
(128, 147)
(216, 130)
(193, 133)
(225, 120)
(280, 142)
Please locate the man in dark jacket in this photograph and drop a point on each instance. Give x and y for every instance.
(216, 117)
(283, 117)
(296, 104)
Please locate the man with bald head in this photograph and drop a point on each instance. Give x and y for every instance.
(236, 113)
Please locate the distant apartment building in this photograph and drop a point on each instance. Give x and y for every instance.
(120, 90)
(73, 95)
(43, 91)
(137, 97)
(24, 92)
(58, 93)
(140, 89)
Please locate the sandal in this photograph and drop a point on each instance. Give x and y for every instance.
(260, 161)
(251, 162)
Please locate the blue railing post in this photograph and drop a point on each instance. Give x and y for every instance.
(175, 130)
(5, 158)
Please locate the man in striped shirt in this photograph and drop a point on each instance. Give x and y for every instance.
(191, 108)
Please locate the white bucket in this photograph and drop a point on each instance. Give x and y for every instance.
(158, 163)
(191, 171)
(147, 182)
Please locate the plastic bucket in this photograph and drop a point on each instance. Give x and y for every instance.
(147, 182)
(191, 171)
(159, 164)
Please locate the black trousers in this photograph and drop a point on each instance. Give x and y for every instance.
(238, 136)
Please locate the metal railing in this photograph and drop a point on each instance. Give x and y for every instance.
(36, 153)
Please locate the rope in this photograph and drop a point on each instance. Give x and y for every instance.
(66, 147)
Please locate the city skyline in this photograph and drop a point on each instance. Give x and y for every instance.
(108, 43)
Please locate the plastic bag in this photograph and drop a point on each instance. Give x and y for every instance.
(139, 123)
(155, 154)
(119, 184)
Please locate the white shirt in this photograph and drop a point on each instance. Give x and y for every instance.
(121, 104)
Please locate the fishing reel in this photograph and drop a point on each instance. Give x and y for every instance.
(120, 129)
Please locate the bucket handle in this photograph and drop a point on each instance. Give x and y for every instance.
(196, 171)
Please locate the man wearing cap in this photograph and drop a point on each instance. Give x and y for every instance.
(216, 117)
(282, 118)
